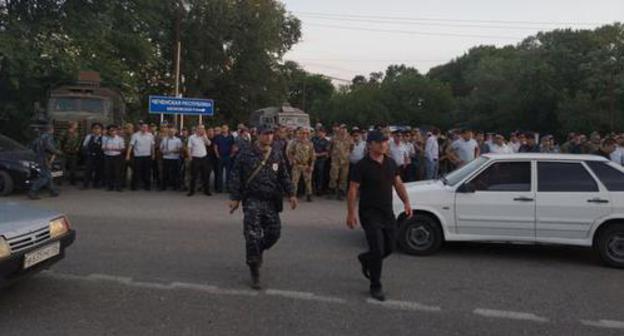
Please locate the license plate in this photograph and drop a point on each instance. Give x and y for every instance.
(39, 255)
(57, 173)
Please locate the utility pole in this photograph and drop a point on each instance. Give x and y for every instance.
(177, 55)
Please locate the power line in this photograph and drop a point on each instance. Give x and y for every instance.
(450, 20)
(410, 32)
(429, 24)
(362, 60)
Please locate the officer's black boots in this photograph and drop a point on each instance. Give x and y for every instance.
(309, 198)
(33, 196)
(255, 276)
(331, 193)
(378, 294)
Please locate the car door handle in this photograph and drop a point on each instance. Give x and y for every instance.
(597, 200)
(523, 199)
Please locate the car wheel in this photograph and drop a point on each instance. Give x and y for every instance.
(610, 245)
(420, 235)
(6, 183)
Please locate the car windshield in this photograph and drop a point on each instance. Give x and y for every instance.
(458, 175)
(9, 145)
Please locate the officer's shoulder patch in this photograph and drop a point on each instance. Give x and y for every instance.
(275, 166)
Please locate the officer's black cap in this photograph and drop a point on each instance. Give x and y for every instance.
(265, 129)
(97, 124)
(376, 136)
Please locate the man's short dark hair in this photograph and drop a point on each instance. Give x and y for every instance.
(97, 124)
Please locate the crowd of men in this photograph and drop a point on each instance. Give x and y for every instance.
(320, 160)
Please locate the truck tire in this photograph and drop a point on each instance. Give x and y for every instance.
(6, 183)
(610, 245)
(420, 235)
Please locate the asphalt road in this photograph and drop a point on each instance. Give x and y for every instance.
(165, 264)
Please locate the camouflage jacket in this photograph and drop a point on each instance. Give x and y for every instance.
(71, 143)
(272, 180)
(301, 153)
(341, 147)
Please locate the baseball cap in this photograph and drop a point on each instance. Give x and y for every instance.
(376, 136)
(265, 129)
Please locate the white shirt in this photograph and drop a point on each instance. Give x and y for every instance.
(358, 152)
(398, 153)
(503, 149)
(113, 146)
(432, 150)
(515, 146)
(142, 144)
(618, 155)
(171, 147)
(465, 149)
(197, 146)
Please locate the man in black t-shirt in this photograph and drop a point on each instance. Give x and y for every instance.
(374, 177)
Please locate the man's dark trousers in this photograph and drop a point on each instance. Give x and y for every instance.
(380, 229)
(112, 168)
(200, 166)
(171, 173)
(142, 170)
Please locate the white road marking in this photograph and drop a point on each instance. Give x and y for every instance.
(212, 289)
(509, 315)
(604, 324)
(404, 305)
(106, 277)
(304, 296)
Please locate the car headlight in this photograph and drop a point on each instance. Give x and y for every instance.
(59, 227)
(5, 249)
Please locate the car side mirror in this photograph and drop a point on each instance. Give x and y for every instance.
(466, 188)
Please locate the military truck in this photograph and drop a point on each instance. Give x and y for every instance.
(284, 115)
(86, 101)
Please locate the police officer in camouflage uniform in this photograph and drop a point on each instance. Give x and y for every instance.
(259, 179)
(45, 151)
(301, 156)
(339, 171)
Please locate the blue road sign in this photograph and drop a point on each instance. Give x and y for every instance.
(187, 106)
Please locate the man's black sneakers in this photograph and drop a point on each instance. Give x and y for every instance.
(365, 271)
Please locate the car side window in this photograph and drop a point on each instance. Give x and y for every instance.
(564, 177)
(612, 178)
(504, 176)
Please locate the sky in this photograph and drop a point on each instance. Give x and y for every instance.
(344, 38)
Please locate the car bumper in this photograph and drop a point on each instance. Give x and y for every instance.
(12, 268)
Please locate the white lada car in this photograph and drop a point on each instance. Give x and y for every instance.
(528, 198)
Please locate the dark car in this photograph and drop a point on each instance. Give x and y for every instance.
(31, 239)
(18, 168)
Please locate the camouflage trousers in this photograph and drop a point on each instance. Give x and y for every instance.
(262, 228)
(339, 174)
(297, 172)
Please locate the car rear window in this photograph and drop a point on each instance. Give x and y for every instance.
(564, 177)
(612, 178)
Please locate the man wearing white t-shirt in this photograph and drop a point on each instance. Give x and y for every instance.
(465, 148)
(399, 152)
(171, 148)
(198, 144)
(499, 146)
(432, 154)
(142, 148)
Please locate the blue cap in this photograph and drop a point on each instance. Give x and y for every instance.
(376, 136)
